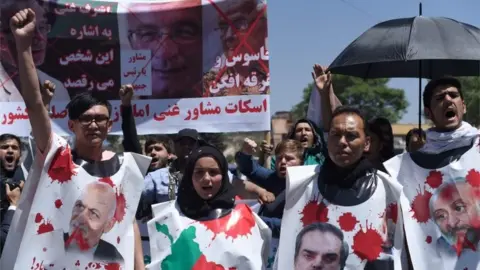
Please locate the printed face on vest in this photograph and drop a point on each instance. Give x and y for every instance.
(92, 127)
(207, 177)
(9, 154)
(347, 141)
(304, 134)
(456, 212)
(92, 215)
(285, 160)
(446, 108)
(319, 250)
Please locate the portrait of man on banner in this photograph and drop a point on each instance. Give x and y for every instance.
(456, 213)
(172, 31)
(242, 29)
(320, 246)
(9, 79)
(92, 216)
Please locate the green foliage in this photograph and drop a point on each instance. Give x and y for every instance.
(373, 97)
(471, 95)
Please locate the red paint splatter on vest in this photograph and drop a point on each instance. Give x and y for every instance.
(347, 222)
(238, 223)
(203, 264)
(428, 239)
(314, 212)
(447, 192)
(473, 178)
(112, 266)
(58, 203)
(434, 179)
(62, 167)
(121, 202)
(118, 239)
(420, 208)
(121, 208)
(392, 212)
(79, 240)
(38, 218)
(367, 245)
(45, 227)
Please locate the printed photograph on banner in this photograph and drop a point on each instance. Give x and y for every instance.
(172, 32)
(137, 71)
(320, 245)
(236, 58)
(41, 49)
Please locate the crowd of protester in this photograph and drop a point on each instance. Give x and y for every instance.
(348, 148)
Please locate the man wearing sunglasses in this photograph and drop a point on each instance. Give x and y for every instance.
(9, 79)
(172, 31)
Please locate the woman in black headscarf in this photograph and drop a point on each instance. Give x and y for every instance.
(204, 228)
(205, 191)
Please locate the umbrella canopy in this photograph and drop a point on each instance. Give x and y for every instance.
(396, 47)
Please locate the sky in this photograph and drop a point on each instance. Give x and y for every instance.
(305, 32)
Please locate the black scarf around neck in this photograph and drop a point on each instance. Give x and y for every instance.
(344, 178)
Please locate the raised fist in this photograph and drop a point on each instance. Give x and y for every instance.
(266, 148)
(48, 90)
(126, 94)
(249, 146)
(23, 27)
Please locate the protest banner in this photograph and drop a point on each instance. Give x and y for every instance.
(357, 235)
(75, 215)
(441, 210)
(238, 240)
(200, 64)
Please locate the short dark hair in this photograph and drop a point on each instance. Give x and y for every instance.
(415, 131)
(83, 102)
(382, 127)
(324, 228)
(162, 139)
(349, 110)
(433, 84)
(8, 136)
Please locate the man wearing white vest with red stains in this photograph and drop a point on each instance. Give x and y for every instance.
(59, 174)
(441, 185)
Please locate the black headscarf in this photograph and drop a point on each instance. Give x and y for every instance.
(190, 203)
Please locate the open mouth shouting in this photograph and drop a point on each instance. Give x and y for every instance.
(9, 162)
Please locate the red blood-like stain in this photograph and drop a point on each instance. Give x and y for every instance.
(447, 192)
(79, 240)
(62, 167)
(77, 263)
(428, 239)
(45, 227)
(238, 223)
(58, 203)
(420, 208)
(44, 249)
(434, 179)
(38, 218)
(476, 193)
(314, 212)
(473, 178)
(463, 243)
(367, 245)
(475, 222)
(118, 239)
(112, 266)
(203, 264)
(392, 212)
(121, 208)
(347, 222)
(107, 180)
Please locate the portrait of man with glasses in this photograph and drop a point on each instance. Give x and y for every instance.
(9, 79)
(172, 31)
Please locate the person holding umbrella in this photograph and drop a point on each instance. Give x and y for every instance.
(440, 231)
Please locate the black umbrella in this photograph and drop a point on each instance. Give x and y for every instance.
(396, 47)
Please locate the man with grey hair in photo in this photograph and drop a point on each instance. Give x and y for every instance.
(320, 246)
(92, 216)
